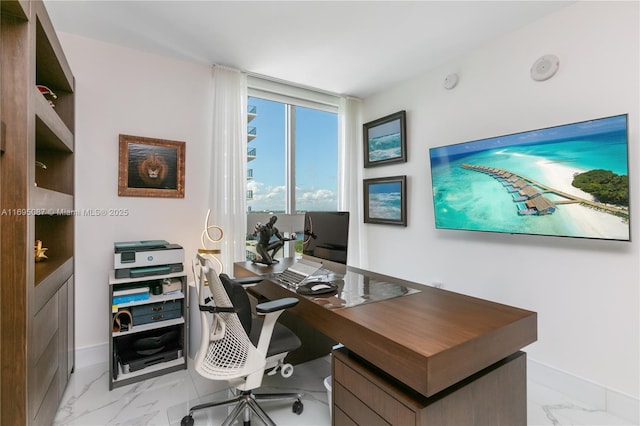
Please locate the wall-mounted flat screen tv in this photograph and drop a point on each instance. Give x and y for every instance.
(569, 180)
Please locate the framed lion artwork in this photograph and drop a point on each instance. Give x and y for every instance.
(151, 167)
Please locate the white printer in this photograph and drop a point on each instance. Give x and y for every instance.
(144, 258)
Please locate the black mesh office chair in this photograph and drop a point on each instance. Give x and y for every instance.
(236, 347)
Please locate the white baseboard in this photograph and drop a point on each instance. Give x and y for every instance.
(593, 394)
(91, 355)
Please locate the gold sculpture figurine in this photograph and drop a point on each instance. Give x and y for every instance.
(39, 251)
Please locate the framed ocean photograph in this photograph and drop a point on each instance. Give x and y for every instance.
(385, 140)
(569, 180)
(385, 200)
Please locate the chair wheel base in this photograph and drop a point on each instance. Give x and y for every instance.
(187, 421)
(298, 407)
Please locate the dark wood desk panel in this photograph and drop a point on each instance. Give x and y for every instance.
(428, 340)
(433, 339)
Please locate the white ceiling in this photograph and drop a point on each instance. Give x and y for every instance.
(347, 47)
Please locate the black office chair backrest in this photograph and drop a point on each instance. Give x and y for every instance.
(240, 301)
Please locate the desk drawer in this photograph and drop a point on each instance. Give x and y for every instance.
(496, 395)
(359, 412)
(341, 419)
(366, 401)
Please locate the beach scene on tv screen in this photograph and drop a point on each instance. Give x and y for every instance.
(569, 180)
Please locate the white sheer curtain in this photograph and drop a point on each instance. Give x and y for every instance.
(350, 166)
(228, 174)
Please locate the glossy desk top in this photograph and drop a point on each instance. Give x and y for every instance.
(428, 339)
(353, 289)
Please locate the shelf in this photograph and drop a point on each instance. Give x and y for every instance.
(152, 299)
(58, 174)
(56, 234)
(53, 269)
(51, 131)
(176, 363)
(47, 202)
(150, 326)
(52, 68)
(54, 148)
(116, 281)
(17, 9)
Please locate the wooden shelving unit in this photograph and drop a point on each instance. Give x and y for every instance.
(37, 319)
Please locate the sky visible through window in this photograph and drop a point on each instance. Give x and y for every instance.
(316, 159)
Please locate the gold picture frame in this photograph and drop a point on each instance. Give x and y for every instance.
(150, 167)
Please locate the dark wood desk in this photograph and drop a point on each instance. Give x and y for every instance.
(428, 341)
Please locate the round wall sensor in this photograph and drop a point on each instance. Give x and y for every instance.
(450, 81)
(545, 67)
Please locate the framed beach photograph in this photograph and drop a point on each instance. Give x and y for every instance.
(385, 140)
(385, 200)
(150, 167)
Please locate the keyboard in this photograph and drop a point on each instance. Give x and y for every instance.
(297, 272)
(291, 278)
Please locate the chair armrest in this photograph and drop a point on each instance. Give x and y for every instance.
(276, 305)
(271, 311)
(247, 280)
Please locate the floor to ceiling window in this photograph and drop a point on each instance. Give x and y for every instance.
(292, 164)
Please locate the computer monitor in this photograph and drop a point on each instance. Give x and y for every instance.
(326, 235)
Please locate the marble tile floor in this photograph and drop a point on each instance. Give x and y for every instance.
(164, 400)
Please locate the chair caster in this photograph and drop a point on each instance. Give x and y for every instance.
(298, 407)
(187, 421)
(286, 370)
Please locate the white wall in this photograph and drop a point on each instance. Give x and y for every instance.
(585, 291)
(123, 91)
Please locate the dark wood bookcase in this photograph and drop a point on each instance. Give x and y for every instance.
(36, 203)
